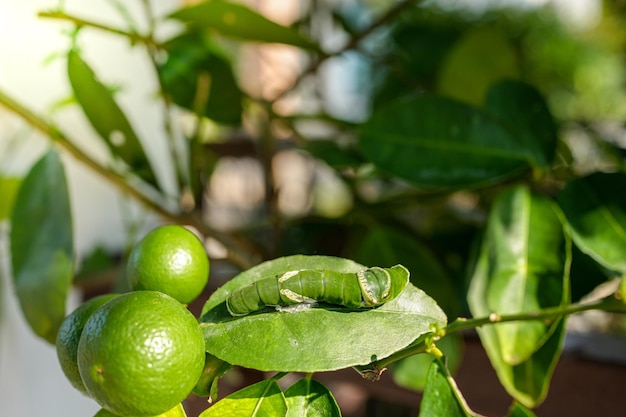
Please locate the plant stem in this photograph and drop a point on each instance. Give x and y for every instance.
(353, 43)
(236, 253)
(132, 36)
(547, 314)
(610, 304)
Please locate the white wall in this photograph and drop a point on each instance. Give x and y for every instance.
(31, 382)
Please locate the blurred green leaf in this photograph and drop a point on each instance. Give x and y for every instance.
(199, 77)
(386, 246)
(437, 142)
(595, 208)
(522, 108)
(308, 340)
(442, 397)
(527, 269)
(240, 22)
(42, 250)
(334, 155)
(107, 118)
(258, 400)
(309, 398)
(480, 58)
(8, 191)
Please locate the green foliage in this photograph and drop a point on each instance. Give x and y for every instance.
(42, 245)
(290, 341)
(106, 117)
(465, 170)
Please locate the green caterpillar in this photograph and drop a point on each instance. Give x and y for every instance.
(303, 288)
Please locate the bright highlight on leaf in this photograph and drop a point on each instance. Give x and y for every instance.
(522, 267)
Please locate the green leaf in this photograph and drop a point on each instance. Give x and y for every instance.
(412, 372)
(42, 248)
(238, 21)
(334, 155)
(8, 190)
(527, 381)
(198, 77)
(258, 400)
(527, 269)
(437, 142)
(479, 59)
(386, 246)
(309, 398)
(595, 209)
(522, 108)
(317, 339)
(107, 118)
(442, 397)
(518, 410)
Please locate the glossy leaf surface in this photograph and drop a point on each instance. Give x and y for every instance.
(199, 78)
(258, 400)
(42, 249)
(527, 268)
(522, 108)
(437, 142)
(441, 395)
(309, 398)
(526, 381)
(595, 208)
(308, 340)
(106, 117)
(239, 21)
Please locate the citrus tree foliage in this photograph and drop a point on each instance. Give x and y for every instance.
(457, 167)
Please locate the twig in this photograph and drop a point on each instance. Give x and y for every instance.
(132, 36)
(236, 254)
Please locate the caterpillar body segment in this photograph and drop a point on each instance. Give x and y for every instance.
(367, 288)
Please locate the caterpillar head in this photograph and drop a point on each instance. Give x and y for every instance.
(379, 285)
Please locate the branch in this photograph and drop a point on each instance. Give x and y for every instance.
(610, 304)
(353, 43)
(236, 253)
(132, 36)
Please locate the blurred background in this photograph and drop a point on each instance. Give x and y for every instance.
(573, 51)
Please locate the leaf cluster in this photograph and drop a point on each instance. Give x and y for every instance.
(453, 157)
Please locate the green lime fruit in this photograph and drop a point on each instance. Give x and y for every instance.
(172, 260)
(177, 411)
(69, 335)
(141, 354)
